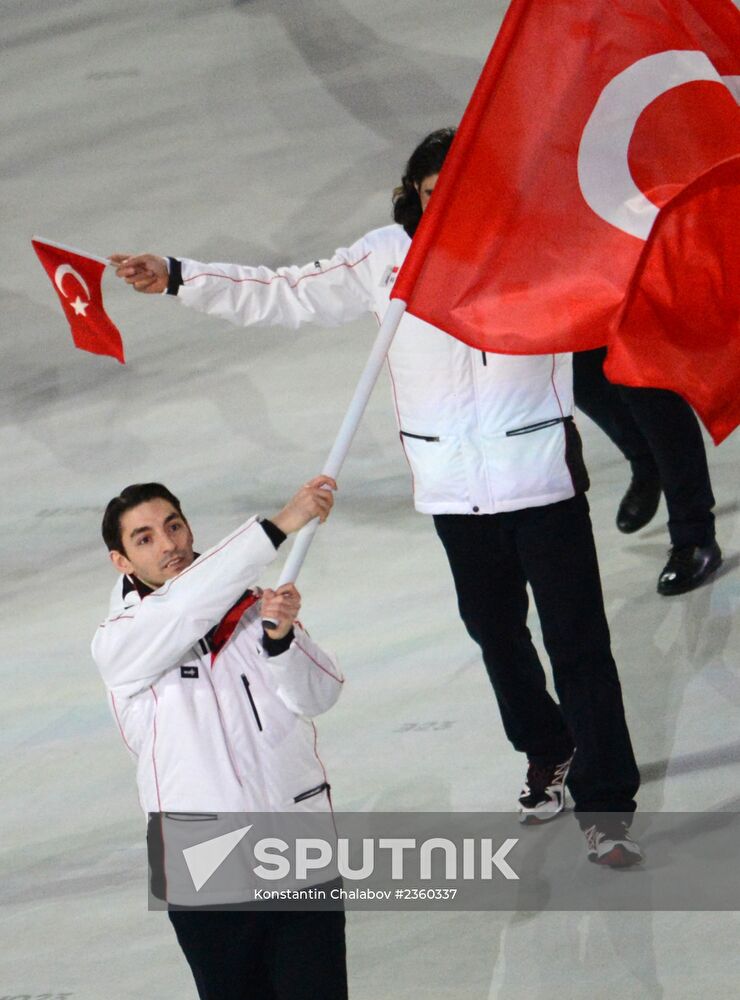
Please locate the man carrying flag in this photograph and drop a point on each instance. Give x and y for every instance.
(216, 710)
(592, 125)
(496, 459)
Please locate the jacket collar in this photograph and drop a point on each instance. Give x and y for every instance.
(132, 584)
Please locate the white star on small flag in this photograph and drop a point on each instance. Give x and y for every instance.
(80, 307)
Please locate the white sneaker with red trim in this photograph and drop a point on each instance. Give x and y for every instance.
(609, 843)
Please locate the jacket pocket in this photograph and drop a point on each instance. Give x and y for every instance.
(191, 817)
(437, 468)
(541, 425)
(256, 714)
(418, 437)
(309, 793)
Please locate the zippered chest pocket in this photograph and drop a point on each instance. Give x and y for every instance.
(252, 702)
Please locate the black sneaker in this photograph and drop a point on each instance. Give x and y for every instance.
(609, 844)
(543, 795)
(688, 567)
(639, 503)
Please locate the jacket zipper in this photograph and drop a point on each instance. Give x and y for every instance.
(191, 817)
(539, 426)
(251, 702)
(418, 437)
(323, 787)
(479, 423)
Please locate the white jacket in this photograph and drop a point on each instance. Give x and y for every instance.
(483, 433)
(223, 733)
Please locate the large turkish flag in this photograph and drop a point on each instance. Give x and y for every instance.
(76, 279)
(679, 327)
(588, 117)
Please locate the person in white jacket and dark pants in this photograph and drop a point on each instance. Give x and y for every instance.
(495, 457)
(216, 710)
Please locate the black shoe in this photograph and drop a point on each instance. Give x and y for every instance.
(688, 567)
(543, 795)
(639, 503)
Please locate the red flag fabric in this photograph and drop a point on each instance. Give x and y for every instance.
(679, 327)
(76, 279)
(588, 117)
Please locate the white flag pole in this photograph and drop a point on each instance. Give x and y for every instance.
(74, 250)
(351, 421)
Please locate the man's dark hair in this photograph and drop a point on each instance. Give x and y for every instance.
(131, 497)
(426, 159)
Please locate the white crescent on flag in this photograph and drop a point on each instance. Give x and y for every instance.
(603, 170)
(59, 277)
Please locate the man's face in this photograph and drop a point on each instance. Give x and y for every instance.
(158, 543)
(425, 189)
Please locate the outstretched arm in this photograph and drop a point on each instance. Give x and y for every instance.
(329, 291)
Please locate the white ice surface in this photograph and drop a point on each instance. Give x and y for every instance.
(271, 132)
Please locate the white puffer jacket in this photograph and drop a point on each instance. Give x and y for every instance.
(229, 732)
(483, 433)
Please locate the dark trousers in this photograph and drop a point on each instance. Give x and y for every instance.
(655, 430)
(492, 557)
(267, 955)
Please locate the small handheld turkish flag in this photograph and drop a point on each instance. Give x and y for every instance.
(76, 276)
